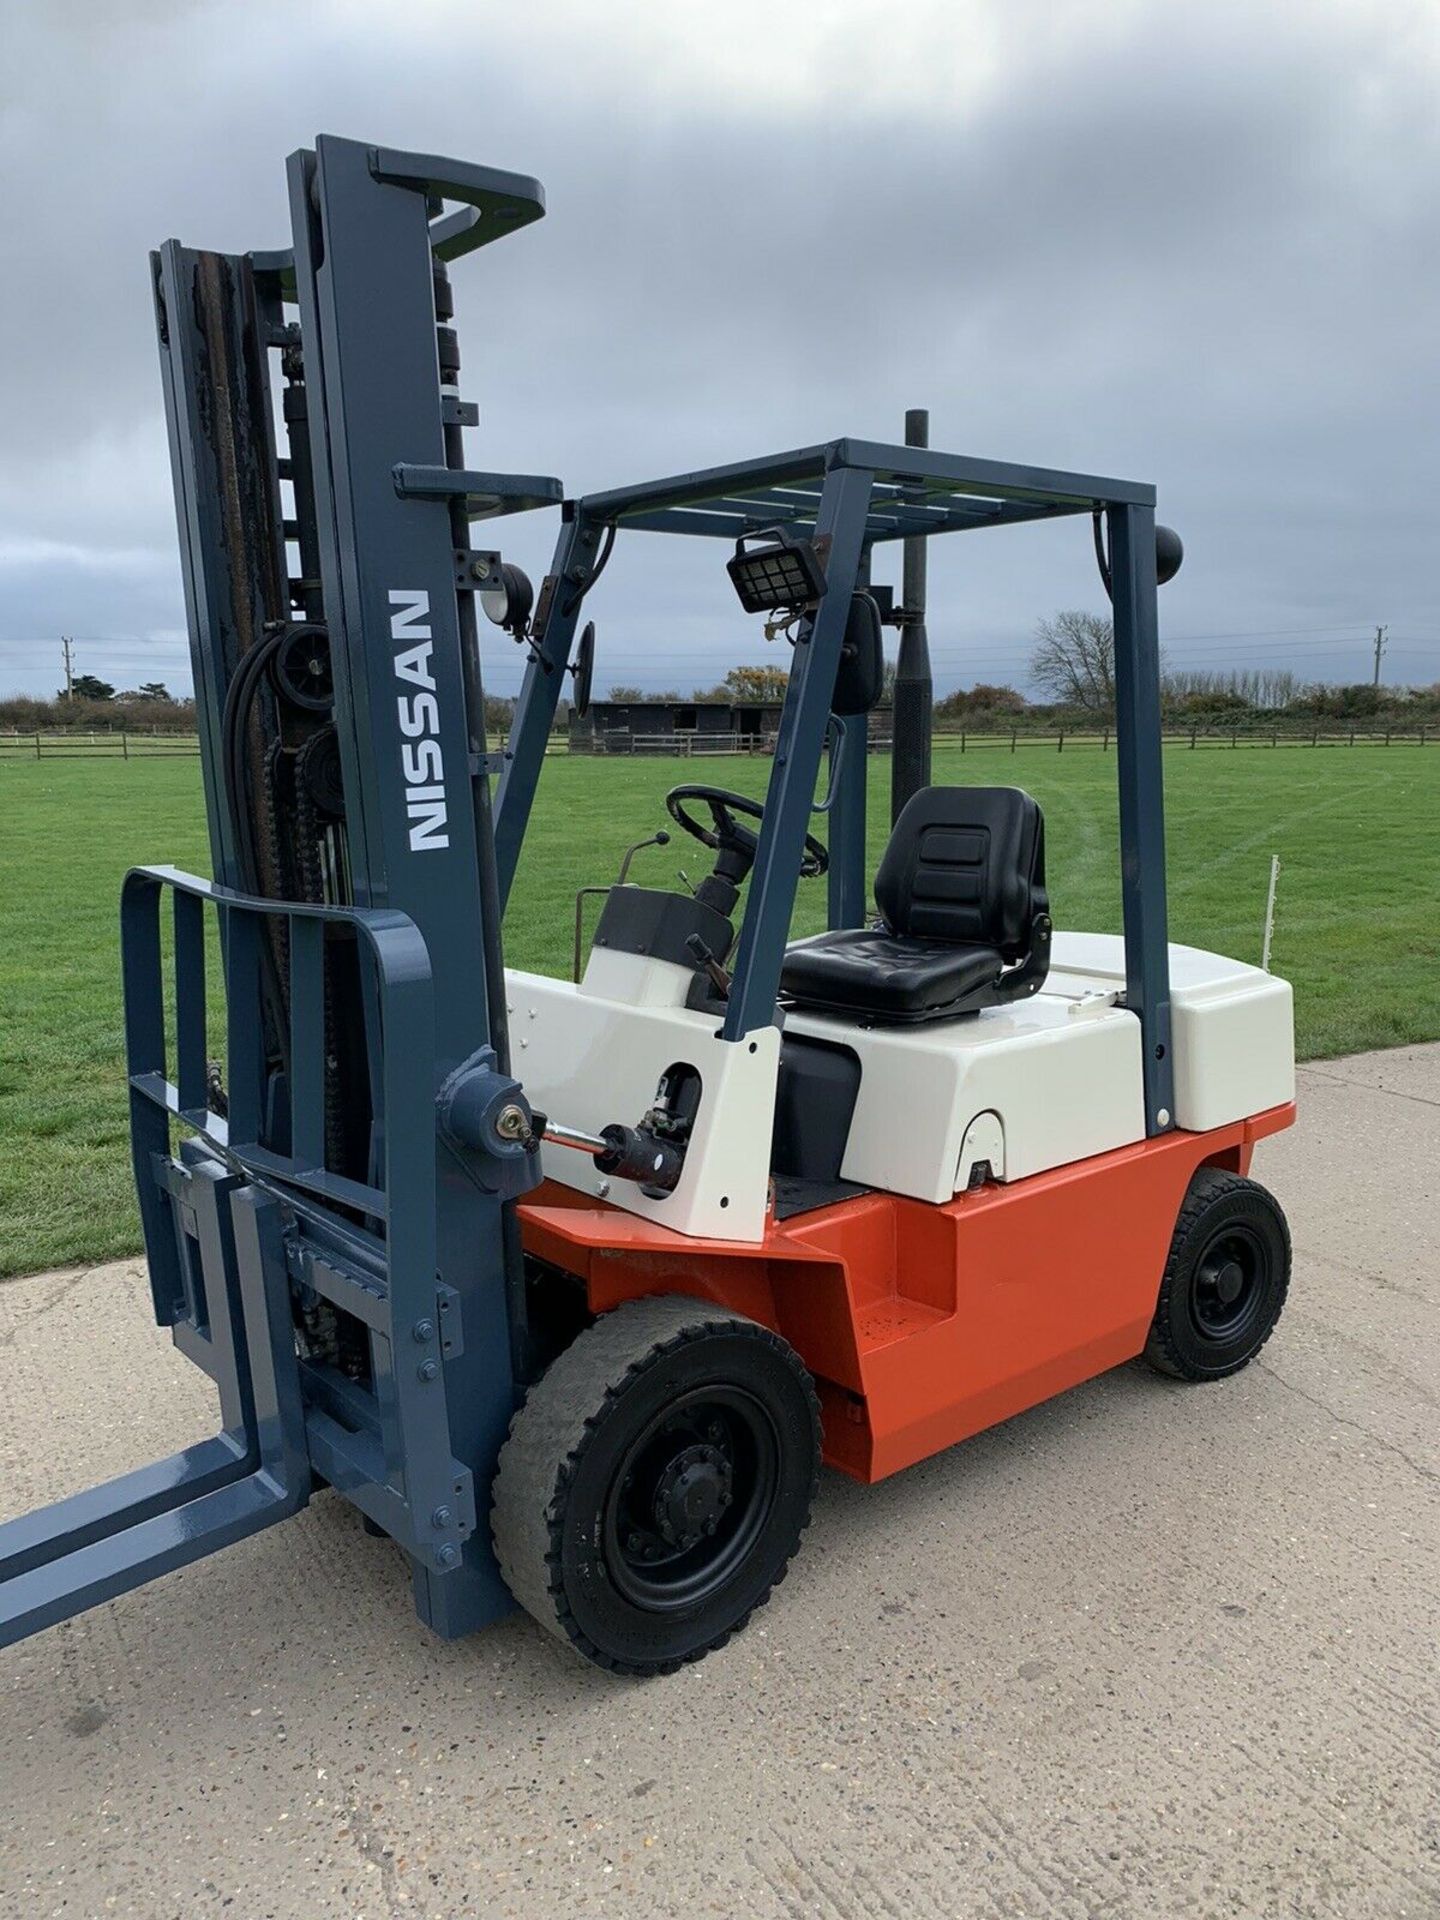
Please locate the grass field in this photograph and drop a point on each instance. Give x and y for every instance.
(1357, 931)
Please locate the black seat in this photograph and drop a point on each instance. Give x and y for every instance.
(966, 916)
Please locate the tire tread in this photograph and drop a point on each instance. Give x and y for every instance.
(1209, 1185)
(551, 1428)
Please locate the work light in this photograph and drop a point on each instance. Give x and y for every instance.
(507, 598)
(784, 573)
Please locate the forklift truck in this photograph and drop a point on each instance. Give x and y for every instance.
(570, 1285)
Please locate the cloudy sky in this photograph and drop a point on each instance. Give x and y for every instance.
(1188, 243)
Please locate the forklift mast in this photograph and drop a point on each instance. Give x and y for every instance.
(329, 581)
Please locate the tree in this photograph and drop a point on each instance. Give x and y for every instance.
(1254, 686)
(1360, 701)
(1074, 660)
(86, 687)
(1218, 704)
(982, 698)
(154, 690)
(757, 685)
(627, 696)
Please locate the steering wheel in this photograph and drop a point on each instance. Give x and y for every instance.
(726, 835)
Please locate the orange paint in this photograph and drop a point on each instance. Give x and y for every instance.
(924, 1324)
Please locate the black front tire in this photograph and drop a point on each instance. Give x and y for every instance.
(656, 1483)
(1225, 1281)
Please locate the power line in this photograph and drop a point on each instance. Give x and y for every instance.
(116, 646)
(1263, 633)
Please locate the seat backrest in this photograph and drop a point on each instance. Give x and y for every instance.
(966, 864)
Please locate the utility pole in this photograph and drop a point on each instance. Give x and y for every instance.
(1380, 633)
(914, 690)
(69, 666)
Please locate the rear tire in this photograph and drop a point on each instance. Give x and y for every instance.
(656, 1483)
(1225, 1281)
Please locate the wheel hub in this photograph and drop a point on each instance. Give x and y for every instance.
(1229, 1279)
(691, 1494)
(1227, 1287)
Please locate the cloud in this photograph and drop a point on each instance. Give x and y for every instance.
(1193, 245)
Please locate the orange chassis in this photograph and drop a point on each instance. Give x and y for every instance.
(923, 1324)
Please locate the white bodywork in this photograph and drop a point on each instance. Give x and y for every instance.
(1062, 1089)
(1233, 1026)
(1040, 1084)
(592, 1054)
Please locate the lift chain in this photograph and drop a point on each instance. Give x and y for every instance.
(311, 878)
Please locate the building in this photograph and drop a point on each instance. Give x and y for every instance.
(620, 725)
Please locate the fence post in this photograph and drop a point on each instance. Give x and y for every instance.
(124, 745)
(1315, 738)
(1192, 739)
(1352, 736)
(1387, 736)
(1235, 736)
(1013, 733)
(962, 739)
(1105, 741)
(1275, 738)
(1060, 743)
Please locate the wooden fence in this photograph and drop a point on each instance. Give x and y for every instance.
(688, 746)
(1061, 738)
(124, 745)
(121, 745)
(685, 746)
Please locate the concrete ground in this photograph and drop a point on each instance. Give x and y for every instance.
(1147, 1651)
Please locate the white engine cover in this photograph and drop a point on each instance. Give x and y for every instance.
(1232, 1025)
(1061, 1087)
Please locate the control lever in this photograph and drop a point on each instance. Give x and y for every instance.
(660, 838)
(706, 961)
